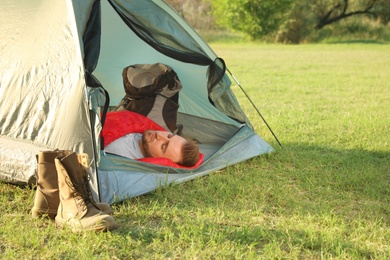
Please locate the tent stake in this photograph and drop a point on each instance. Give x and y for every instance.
(254, 106)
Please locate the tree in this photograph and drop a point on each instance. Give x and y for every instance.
(342, 9)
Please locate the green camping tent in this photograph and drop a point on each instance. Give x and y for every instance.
(61, 63)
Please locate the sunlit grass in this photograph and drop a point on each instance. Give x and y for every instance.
(325, 194)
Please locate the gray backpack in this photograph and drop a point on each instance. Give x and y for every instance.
(152, 90)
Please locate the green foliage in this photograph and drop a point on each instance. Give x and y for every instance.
(382, 11)
(293, 21)
(298, 25)
(257, 18)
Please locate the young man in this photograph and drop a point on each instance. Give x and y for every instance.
(153, 143)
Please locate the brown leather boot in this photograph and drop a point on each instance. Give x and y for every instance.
(47, 196)
(83, 160)
(77, 208)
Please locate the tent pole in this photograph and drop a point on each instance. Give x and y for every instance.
(254, 106)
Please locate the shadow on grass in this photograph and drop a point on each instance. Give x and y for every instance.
(359, 157)
(366, 173)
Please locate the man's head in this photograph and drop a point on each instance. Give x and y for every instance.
(167, 145)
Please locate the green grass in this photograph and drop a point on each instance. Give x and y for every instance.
(325, 195)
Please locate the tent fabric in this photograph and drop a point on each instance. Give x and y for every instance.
(112, 61)
(162, 32)
(173, 37)
(115, 186)
(41, 80)
(59, 59)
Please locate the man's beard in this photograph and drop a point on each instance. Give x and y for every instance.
(145, 145)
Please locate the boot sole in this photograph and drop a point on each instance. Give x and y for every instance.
(76, 226)
(52, 213)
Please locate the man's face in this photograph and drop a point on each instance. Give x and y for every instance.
(163, 144)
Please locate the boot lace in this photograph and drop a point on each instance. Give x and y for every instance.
(77, 192)
(85, 191)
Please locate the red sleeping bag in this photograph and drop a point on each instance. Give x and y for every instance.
(120, 123)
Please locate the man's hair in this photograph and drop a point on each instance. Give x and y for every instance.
(190, 153)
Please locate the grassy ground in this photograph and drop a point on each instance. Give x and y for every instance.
(325, 195)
